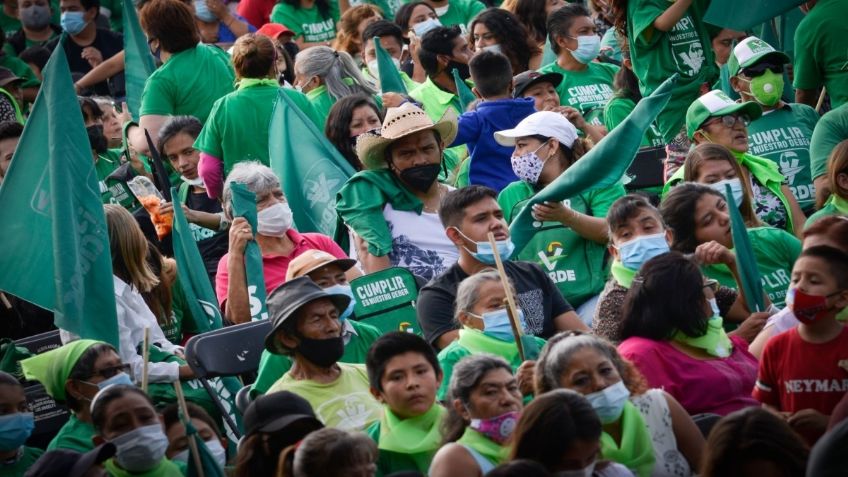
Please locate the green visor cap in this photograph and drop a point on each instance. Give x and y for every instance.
(750, 51)
(716, 104)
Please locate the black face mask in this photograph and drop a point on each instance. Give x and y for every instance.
(421, 178)
(97, 139)
(324, 352)
(461, 68)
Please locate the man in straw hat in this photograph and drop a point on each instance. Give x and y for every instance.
(392, 206)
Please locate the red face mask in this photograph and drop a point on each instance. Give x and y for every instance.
(807, 308)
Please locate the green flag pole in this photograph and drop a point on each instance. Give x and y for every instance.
(464, 93)
(390, 80)
(55, 242)
(244, 205)
(745, 15)
(602, 166)
(746, 263)
(138, 62)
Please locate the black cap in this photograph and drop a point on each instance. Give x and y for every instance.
(529, 78)
(286, 299)
(273, 412)
(68, 463)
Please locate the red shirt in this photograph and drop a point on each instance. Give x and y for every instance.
(256, 12)
(795, 374)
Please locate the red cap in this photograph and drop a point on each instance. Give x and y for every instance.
(274, 30)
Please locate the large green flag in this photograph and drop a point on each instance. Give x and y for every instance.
(193, 277)
(310, 168)
(602, 166)
(390, 80)
(746, 14)
(55, 243)
(138, 62)
(466, 96)
(746, 263)
(244, 205)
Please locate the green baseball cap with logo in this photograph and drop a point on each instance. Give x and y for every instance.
(716, 104)
(750, 51)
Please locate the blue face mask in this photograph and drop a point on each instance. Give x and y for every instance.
(202, 12)
(609, 402)
(15, 429)
(421, 28)
(496, 324)
(484, 252)
(343, 290)
(735, 188)
(120, 378)
(73, 22)
(635, 252)
(588, 48)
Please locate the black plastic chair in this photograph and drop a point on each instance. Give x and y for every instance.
(49, 415)
(231, 351)
(706, 422)
(41, 343)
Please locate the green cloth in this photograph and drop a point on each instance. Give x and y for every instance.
(307, 23)
(463, 92)
(820, 50)
(622, 275)
(322, 102)
(407, 444)
(496, 453)
(138, 61)
(19, 468)
(391, 80)
(830, 131)
(75, 435)
(273, 366)
(408, 82)
(835, 205)
(53, 367)
(188, 83)
(783, 137)
(743, 16)
(461, 12)
(244, 205)
(685, 49)
(115, 12)
(21, 70)
(10, 25)
(105, 165)
(434, 100)
(723, 83)
(346, 403)
(715, 341)
(617, 108)
(472, 342)
(166, 468)
(360, 204)
(636, 451)
(576, 264)
(588, 91)
(775, 251)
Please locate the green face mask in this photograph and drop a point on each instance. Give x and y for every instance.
(767, 88)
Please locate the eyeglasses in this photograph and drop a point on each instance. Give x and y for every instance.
(730, 120)
(107, 373)
(711, 284)
(760, 68)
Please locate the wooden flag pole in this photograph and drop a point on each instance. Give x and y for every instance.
(145, 353)
(192, 443)
(821, 99)
(511, 309)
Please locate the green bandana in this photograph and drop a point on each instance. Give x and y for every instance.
(488, 448)
(418, 437)
(251, 82)
(839, 203)
(478, 342)
(636, 451)
(52, 368)
(621, 274)
(714, 341)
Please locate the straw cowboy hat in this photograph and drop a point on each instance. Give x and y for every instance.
(399, 123)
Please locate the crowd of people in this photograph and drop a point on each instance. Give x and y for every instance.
(688, 318)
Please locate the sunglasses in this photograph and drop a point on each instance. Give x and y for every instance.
(758, 69)
(730, 120)
(111, 371)
(711, 284)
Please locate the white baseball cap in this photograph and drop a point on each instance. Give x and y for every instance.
(542, 123)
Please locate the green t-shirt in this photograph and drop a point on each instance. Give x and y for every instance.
(75, 435)
(105, 165)
(115, 11)
(461, 12)
(188, 83)
(9, 24)
(166, 468)
(820, 50)
(307, 22)
(656, 55)
(835, 205)
(273, 366)
(618, 108)
(346, 403)
(19, 468)
(831, 129)
(577, 265)
(775, 251)
(587, 90)
(10, 50)
(20, 68)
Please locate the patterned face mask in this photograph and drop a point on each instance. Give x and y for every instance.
(528, 166)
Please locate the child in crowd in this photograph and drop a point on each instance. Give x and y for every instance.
(16, 425)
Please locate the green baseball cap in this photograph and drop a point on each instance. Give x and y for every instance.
(750, 51)
(716, 104)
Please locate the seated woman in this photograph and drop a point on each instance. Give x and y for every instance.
(561, 430)
(483, 404)
(698, 215)
(673, 334)
(347, 119)
(485, 328)
(646, 430)
(73, 374)
(207, 429)
(17, 424)
(498, 30)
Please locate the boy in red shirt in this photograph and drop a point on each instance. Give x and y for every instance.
(804, 371)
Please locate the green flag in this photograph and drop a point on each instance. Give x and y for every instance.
(55, 243)
(746, 263)
(208, 466)
(744, 15)
(193, 277)
(464, 93)
(244, 205)
(138, 62)
(310, 168)
(602, 166)
(390, 80)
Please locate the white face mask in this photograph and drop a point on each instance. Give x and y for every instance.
(215, 448)
(141, 449)
(274, 221)
(374, 69)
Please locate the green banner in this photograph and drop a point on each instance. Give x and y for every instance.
(745, 15)
(390, 80)
(55, 242)
(385, 300)
(138, 62)
(746, 262)
(466, 96)
(244, 205)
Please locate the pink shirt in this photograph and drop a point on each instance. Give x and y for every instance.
(275, 266)
(718, 385)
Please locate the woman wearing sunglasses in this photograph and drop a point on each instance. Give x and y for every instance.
(715, 118)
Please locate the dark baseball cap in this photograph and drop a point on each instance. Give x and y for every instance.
(7, 76)
(274, 412)
(68, 463)
(529, 78)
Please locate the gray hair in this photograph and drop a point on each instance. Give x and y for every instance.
(557, 355)
(258, 178)
(333, 67)
(331, 452)
(468, 292)
(468, 372)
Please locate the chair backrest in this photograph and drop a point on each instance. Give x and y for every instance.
(49, 415)
(228, 351)
(386, 300)
(41, 343)
(647, 169)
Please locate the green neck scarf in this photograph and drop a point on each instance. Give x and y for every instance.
(414, 435)
(715, 341)
(166, 468)
(478, 342)
(621, 274)
(245, 83)
(839, 203)
(488, 448)
(52, 368)
(636, 451)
